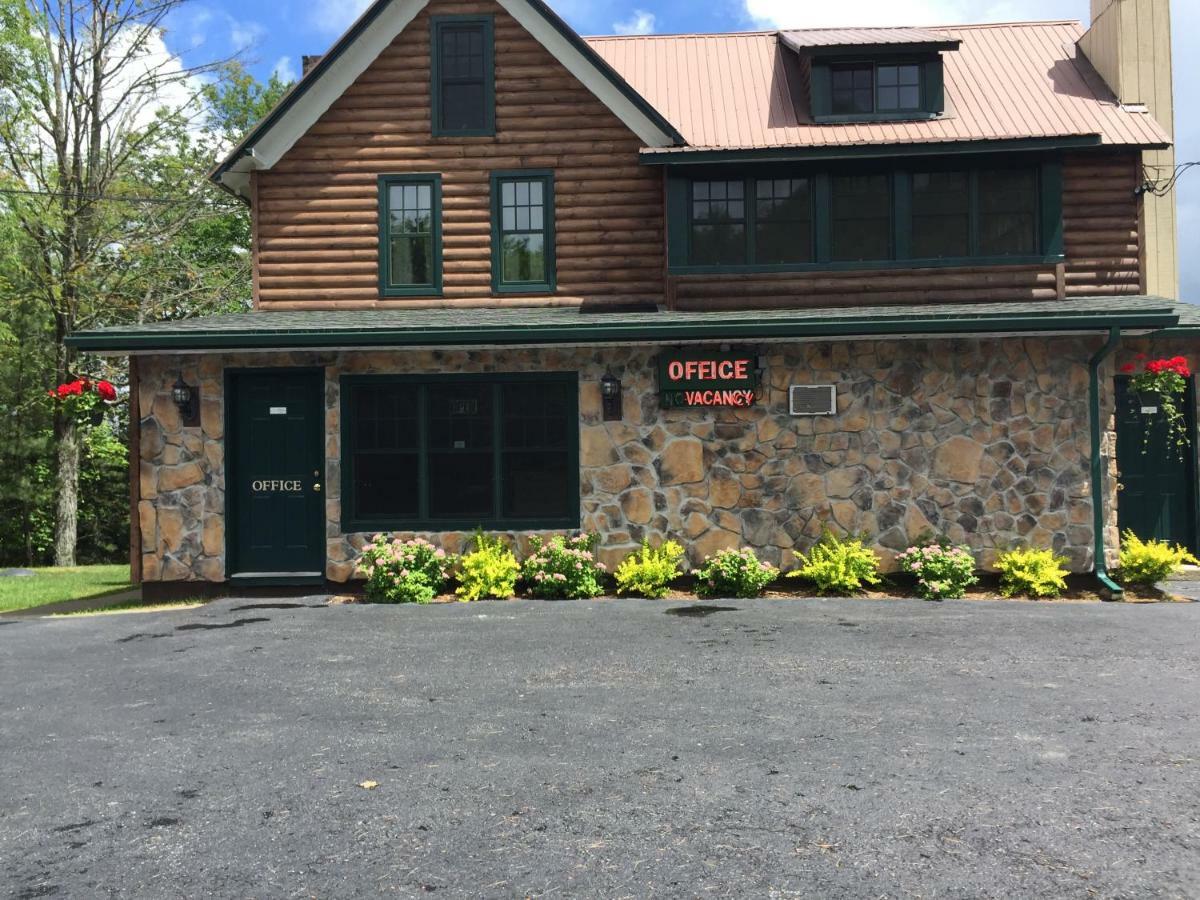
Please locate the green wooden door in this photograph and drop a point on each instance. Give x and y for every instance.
(1157, 493)
(276, 473)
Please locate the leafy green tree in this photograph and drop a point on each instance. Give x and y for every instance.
(105, 217)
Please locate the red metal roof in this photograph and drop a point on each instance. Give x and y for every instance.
(851, 37)
(1005, 82)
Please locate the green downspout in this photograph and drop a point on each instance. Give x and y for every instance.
(1101, 569)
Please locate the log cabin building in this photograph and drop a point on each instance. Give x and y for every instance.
(726, 288)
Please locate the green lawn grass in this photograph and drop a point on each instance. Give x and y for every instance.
(52, 585)
(133, 606)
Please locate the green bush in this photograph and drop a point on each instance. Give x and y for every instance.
(404, 571)
(839, 565)
(1032, 573)
(490, 570)
(942, 571)
(1149, 562)
(563, 568)
(734, 573)
(649, 571)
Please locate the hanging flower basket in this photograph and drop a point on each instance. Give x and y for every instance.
(85, 400)
(1160, 387)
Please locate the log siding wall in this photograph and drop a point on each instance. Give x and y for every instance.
(317, 211)
(1100, 242)
(316, 232)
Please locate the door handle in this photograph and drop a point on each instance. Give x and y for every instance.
(317, 488)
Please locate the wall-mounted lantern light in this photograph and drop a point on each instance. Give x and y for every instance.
(610, 397)
(187, 399)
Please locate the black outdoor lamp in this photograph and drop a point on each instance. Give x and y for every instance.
(187, 399)
(610, 397)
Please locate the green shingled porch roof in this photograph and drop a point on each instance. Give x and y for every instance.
(399, 327)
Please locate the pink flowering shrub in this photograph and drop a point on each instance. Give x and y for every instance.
(734, 573)
(404, 571)
(942, 571)
(562, 568)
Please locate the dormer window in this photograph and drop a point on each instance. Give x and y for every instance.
(880, 75)
(859, 88)
(898, 88)
(853, 89)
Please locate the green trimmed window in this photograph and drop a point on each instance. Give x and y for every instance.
(864, 88)
(523, 232)
(941, 215)
(783, 220)
(462, 70)
(853, 89)
(800, 218)
(861, 217)
(1008, 212)
(460, 452)
(410, 235)
(898, 88)
(718, 229)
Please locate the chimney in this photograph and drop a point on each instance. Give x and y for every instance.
(307, 62)
(1129, 44)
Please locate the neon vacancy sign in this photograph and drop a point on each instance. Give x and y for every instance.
(706, 378)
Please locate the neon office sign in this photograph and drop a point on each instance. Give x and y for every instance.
(702, 377)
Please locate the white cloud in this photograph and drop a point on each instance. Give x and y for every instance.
(244, 34)
(641, 22)
(334, 16)
(284, 69)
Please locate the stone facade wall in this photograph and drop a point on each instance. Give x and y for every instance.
(985, 441)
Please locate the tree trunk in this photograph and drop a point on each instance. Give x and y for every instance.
(66, 513)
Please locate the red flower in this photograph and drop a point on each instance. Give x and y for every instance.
(1128, 367)
(106, 391)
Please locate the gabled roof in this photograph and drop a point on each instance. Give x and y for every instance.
(374, 30)
(1023, 81)
(822, 40)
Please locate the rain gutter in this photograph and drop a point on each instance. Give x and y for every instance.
(1099, 565)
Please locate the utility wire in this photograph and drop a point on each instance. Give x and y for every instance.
(1162, 188)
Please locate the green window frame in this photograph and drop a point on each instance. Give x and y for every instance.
(523, 238)
(410, 235)
(459, 452)
(1009, 213)
(736, 221)
(888, 88)
(462, 71)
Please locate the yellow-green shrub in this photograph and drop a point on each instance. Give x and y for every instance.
(1033, 573)
(1149, 562)
(839, 565)
(490, 570)
(650, 570)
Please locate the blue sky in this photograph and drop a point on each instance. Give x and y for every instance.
(274, 35)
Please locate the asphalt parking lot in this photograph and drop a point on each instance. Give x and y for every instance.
(626, 748)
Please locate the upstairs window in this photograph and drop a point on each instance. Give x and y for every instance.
(865, 88)
(853, 89)
(918, 214)
(782, 221)
(1008, 212)
(941, 221)
(718, 232)
(898, 88)
(861, 220)
(462, 76)
(523, 232)
(410, 235)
